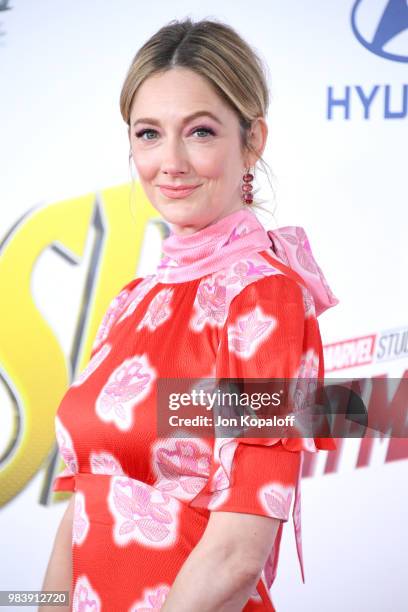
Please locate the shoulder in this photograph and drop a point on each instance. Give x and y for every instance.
(256, 280)
(134, 282)
(274, 293)
(130, 295)
(122, 297)
(116, 307)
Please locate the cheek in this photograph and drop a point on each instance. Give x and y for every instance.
(211, 166)
(146, 168)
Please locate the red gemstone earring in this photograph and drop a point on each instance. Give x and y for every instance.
(247, 195)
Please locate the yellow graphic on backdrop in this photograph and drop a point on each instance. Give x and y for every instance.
(35, 370)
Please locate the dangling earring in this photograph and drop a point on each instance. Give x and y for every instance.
(247, 195)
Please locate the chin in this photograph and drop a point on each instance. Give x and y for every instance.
(179, 211)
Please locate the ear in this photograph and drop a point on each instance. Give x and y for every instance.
(258, 135)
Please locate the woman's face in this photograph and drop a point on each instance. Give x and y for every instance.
(171, 148)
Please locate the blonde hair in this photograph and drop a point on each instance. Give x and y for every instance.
(216, 52)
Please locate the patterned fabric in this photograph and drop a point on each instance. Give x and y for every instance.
(292, 246)
(187, 257)
(142, 502)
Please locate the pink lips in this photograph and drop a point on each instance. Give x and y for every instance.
(176, 193)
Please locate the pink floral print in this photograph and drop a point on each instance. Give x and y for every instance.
(142, 513)
(182, 466)
(153, 599)
(249, 331)
(158, 310)
(85, 598)
(80, 525)
(126, 387)
(276, 499)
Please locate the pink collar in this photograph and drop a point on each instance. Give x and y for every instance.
(212, 248)
(234, 237)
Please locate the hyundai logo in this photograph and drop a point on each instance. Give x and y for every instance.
(387, 34)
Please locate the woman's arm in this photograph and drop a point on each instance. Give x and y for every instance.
(59, 571)
(223, 570)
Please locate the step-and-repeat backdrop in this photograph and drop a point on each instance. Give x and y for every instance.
(72, 234)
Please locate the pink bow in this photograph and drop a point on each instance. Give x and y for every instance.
(291, 245)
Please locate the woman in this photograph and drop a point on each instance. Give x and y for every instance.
(182, 524)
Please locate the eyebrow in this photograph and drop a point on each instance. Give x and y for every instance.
(185, 120)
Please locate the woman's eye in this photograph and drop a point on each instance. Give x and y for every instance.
(204, 130)
(143, 132)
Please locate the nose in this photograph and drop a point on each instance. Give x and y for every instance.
(174, 157)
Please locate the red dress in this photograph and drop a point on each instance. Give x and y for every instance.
(142, 502)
